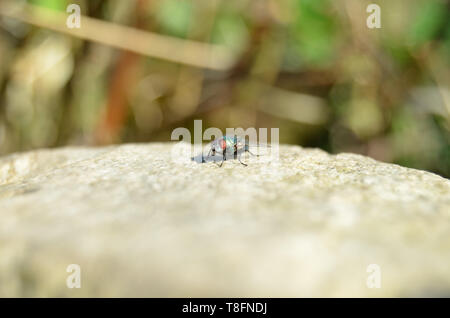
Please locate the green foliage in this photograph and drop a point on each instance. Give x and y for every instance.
(311, 35)
(174, 16)
(430, 18)
(51, 4)
(230, 30)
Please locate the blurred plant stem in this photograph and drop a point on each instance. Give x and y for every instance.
(150, 44)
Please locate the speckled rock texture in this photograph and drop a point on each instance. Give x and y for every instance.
(142, 224)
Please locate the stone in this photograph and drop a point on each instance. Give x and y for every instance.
(141, 224)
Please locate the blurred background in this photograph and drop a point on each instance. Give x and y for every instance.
(137, 69)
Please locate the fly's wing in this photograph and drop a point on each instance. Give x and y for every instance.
(204, 154)
(257, 148)
(207, 155)
(259, 145)
(207, 149)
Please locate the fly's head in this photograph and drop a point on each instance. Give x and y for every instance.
(218, 146)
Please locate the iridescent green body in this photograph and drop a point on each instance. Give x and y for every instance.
(229, 145)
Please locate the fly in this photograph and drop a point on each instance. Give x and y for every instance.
(227, 145)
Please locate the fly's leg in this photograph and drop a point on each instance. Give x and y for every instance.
(224, 153)
(256, 155)
(224, 157)
(239, 158)
(247, 149)
(209, 153)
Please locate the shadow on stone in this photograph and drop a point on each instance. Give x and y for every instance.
(205, 159)
(217, 158)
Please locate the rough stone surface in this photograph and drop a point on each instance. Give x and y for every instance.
(140, 224)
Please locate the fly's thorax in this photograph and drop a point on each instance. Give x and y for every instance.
(216, 146)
